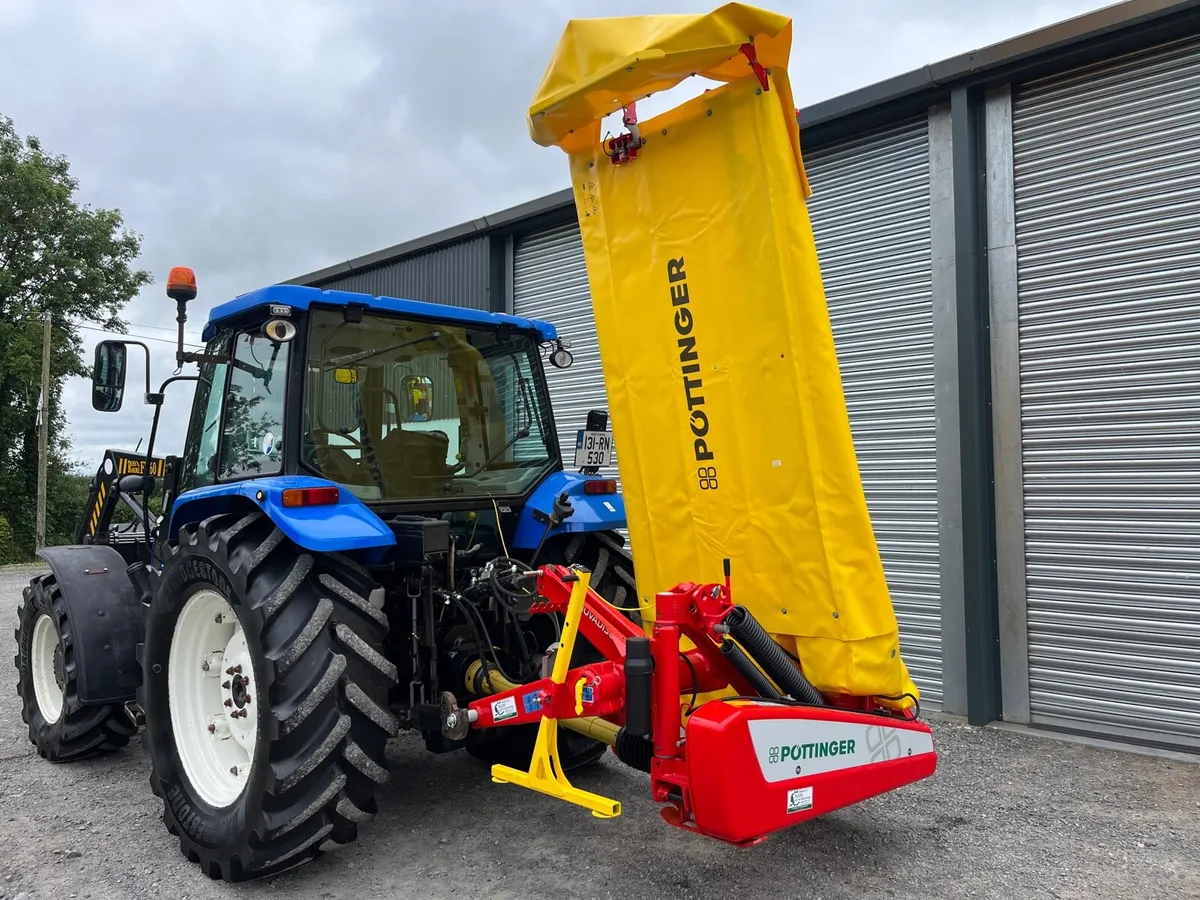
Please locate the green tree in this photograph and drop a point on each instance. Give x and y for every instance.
(62, 256)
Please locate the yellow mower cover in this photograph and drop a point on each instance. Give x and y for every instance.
(724, 391)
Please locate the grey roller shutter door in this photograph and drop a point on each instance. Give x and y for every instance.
(1107, 189)
(550, 283)
(870, 210)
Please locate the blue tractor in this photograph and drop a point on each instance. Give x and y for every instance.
(339, 557)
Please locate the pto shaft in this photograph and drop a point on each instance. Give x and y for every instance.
(589, 726)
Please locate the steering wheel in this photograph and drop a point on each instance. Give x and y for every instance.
(328, 431)
(348, 469)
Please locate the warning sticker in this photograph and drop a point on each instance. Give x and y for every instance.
(505, 708)
(799, 800)
(532, 701)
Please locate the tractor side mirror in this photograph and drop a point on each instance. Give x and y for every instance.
(416, 399)
(108, 376)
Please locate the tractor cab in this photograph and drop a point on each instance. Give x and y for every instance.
(408, 408)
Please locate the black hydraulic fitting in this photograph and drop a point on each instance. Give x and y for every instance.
(634, 750)
(639, 665)
(140, 576)
(773, 658)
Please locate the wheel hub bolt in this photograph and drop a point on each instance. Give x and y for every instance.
(212, 729)
(229, 703)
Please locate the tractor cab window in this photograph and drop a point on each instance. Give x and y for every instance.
(403, 409)
(199, 463)
(252, 434)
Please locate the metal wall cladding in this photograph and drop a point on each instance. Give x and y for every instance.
(456, 275)
(1107, 191)
(870, 210)
(550, 283)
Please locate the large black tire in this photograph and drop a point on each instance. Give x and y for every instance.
(605, 556)
(74, 731)
(315, 642)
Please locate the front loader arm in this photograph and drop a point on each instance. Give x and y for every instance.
(106, 493)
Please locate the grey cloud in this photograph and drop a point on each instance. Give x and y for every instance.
(257, 141)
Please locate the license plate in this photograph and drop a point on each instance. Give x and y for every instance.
(593, 449)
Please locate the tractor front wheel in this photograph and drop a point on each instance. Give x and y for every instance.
(265, 691)
(60, 725)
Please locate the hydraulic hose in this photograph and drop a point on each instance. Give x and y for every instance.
(750, 671)
(774, 660)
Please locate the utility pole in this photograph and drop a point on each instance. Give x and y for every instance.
(43, 432)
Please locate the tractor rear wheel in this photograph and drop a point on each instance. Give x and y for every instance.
(265, 690)
(60, 725)
(605, 556)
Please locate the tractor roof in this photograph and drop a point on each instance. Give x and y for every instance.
(301, 298)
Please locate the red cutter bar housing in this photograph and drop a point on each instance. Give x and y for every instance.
(737, 767)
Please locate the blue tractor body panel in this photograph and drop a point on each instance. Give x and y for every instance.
(593, 512)
(344, 527)
(300, 298)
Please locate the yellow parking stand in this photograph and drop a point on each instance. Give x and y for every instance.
(545, 768)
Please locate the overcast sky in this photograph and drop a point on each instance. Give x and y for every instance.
(256, 141)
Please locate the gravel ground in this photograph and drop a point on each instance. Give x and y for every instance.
(1008, 815)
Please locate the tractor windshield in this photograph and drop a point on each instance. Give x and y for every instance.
(405, 409)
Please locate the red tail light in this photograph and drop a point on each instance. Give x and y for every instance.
(600, 486)
(318, 496)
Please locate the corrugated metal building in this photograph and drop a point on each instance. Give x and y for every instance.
(1011, 246)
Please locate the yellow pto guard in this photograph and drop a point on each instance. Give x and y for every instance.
(545, 768)
(724, 391)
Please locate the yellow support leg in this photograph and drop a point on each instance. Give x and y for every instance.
(545, 768)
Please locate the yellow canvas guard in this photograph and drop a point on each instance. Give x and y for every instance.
(725, 397)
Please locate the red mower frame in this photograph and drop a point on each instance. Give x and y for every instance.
(735, 768)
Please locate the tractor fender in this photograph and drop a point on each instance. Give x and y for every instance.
(105, 617)
(342, 527)
(592, 512)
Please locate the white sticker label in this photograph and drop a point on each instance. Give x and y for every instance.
(791, 747)
(505, 708)
(799, 800)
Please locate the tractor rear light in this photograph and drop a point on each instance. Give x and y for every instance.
(600, 486)
(318, 496)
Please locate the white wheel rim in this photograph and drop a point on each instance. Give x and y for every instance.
(211, 688)
(46, 689)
